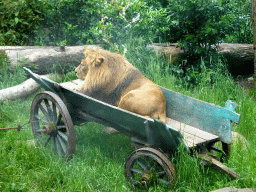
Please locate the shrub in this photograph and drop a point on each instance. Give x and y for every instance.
(122, 20)
(238, 18)
(197, 25)
(18, 19)
(68, 22)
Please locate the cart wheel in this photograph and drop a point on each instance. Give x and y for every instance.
(52, 124)
(147, 167)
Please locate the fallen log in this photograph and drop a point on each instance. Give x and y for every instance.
(19, 91)
(239, 57)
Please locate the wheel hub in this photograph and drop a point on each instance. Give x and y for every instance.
(148, 177)
(49, 129)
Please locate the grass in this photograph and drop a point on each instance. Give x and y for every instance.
(98, 164)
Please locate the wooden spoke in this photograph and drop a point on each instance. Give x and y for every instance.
(61, 127)
(62, 144)
(39, 130)
(161, 173)
(47, 141)
(41, 119)
(58, 147)
(59, 119)
(54, 113)
(63, 136)
(137, 171)
(164, 182)
(44, 112)
(142, 166)
(148, 165)
(48, 108)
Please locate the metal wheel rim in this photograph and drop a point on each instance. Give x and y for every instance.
(155, 169)
(51, 123)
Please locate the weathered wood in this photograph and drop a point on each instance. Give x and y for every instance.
(210, 161)
(192, 136)
(202, 115)
(70, 85)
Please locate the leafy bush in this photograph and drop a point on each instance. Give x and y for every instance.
(197, 26)
(78, 22)
(18, 19)
(238, 18)
(122, 20)
(68, 22)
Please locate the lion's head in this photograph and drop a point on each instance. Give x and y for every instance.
(82, 70)
(91, 61)
(100, 64)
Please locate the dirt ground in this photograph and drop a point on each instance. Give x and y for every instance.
(248, 82)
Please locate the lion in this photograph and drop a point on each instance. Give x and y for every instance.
(111, 78)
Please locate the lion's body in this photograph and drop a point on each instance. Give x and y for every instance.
(109, 77)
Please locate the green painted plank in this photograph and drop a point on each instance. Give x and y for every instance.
(202, 115)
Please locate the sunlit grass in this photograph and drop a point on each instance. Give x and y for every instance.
(98, 163)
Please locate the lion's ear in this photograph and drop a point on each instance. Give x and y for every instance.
(98, 61)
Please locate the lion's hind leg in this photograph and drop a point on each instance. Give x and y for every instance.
(147, 103)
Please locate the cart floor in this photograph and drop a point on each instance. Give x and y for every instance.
(192, 136)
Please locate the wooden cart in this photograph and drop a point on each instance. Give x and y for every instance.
(193, 123)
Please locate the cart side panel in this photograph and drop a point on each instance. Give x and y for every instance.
(45, 83)
(126, 120)
(202, 115)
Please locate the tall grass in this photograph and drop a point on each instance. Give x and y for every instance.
(98, 164)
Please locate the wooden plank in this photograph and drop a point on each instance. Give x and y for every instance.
(191, 130)
(69, 85)
(202, 115)
(211, 161)
(192, 136)
(78, 82)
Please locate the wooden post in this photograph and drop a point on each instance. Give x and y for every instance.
(254, 32)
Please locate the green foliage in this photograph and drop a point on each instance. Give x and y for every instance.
(121, 20)
(191, 76)
(200, 25)
(197, 25)
(238, 21)
(72, 22)
(68, 22)
(18, 20)
(15, 74)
